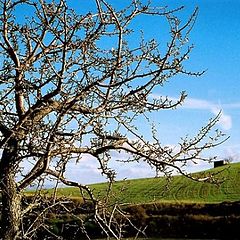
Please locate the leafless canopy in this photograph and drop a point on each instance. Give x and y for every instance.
(73, 82)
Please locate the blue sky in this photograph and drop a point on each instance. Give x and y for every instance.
(216, 37)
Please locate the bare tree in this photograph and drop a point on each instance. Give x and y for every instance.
(65, 92)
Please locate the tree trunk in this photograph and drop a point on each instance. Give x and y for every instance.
(11, 198)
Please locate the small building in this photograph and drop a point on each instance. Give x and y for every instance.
(219, 163)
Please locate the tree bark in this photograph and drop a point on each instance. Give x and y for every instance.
(11, 198)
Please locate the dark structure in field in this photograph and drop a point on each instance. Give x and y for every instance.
(219, 163)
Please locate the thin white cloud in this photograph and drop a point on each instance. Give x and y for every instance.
(192, 103)
(195, 103)
(225, 121)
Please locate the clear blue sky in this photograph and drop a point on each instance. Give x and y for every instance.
(216, 36)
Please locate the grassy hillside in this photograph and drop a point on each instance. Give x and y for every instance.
(179, 189)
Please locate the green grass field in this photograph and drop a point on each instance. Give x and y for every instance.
(179, 189)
